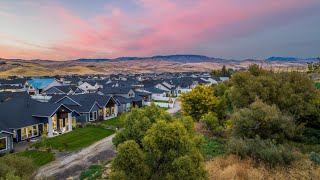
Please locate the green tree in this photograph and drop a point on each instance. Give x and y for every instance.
(265, 121)
(135, 127)
(129, 162)
(168, 146)
(293, 92)
(199, 101)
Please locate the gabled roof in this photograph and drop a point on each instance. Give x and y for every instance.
(39, 83)
(24, 111)
(84, 102)
(154, 90)
(116, 90)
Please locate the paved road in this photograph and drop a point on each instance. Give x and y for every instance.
(76, 162)
(176, 108)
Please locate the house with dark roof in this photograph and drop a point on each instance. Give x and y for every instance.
(91, 107)
(34, 118)
(122, 92)
(68, 90)
(36, 86)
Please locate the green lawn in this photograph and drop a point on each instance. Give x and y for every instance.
(77, 139)
(212, 148)
(112, 122)
(39, 158)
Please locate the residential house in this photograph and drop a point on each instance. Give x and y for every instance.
(36, 86)
(89, 86)
(34, 118)
(68, 90)
(91, 107)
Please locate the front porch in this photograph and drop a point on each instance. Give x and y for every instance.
(59, 123)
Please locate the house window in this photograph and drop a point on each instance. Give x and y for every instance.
(3, 143)
(112, 110)
(93, 116)
(107, 111)
(24, 133)
(35, 130)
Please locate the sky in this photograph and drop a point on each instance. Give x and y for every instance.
(231, 29)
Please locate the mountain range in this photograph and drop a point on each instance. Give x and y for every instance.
(185, 58)
(190, 58)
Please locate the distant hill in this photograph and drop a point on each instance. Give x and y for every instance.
(183, 58)
(291, 59)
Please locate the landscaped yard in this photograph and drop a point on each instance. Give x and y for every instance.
(112, 122)
(77, 139)
(39, 158)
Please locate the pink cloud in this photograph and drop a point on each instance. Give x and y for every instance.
(164, 26)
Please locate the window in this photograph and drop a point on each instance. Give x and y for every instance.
(107, 111)
(3, 143)
(93, 116)
(24, 133)
(35, 130)
(112, 110)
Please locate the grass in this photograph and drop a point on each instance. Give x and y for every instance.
(115, 122)
(212, 148)
(93, 172)
(233, 167)
(39, 158)
(77, 139)
(317, 84)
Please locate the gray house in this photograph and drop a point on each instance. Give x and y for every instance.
(24, 118)
(92, 107)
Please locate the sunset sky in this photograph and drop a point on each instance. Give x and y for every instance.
(233, 29)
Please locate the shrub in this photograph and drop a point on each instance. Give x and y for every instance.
(78, 125)
(212, 123)
(14, 165)
(315, 157)
(267, 151)
(265, 121)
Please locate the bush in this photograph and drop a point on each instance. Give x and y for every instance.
(212, 123)
(267, 151)
(14, 165)
(78, 125)
(312, 136)
(315, 157)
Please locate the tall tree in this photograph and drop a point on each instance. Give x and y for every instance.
(199, 101)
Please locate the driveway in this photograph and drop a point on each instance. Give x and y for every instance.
(73, 164)
(176, 108)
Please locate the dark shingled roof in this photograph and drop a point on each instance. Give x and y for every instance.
(24, 111)
(154, 90)
(116, 90)
(86, 101)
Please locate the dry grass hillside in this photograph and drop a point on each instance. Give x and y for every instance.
(49, 68)
(21, 68)
(231, 167)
